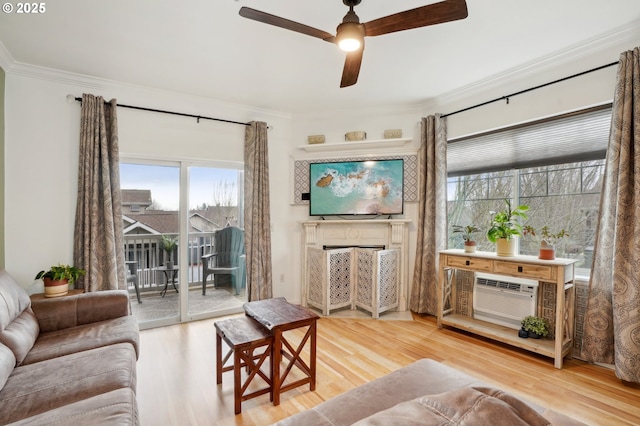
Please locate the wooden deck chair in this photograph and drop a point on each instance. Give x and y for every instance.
(227, 259)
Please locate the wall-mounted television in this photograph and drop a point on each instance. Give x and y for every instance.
(368, 187)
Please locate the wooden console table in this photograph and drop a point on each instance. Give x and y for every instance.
(558, 271)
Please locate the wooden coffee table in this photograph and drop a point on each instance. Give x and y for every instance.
(280, 316)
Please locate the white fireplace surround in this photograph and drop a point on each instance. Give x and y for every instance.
(390, 233)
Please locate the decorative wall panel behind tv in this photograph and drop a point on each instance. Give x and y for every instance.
(301, 175)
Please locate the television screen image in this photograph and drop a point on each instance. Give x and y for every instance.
(371, 187)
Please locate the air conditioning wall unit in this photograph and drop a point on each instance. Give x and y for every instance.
(504, 300)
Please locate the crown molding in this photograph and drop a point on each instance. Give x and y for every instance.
(83, 81)
(6, 60)
(597, 45)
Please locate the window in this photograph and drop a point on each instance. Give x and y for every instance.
(560, 193)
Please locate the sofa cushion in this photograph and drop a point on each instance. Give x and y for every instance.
(21, 334)
(117, 407)
(18, 325)
(459, 407)
(37, 388)
(13, 299)
(83, 337)
(7, 363)
(424, 376)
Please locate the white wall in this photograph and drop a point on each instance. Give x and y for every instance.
(42, 136)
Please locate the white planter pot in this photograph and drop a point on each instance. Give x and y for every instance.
(469, 246)
(505, 248)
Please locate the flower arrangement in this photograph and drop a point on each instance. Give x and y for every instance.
(61, 273)
(548, 241)
(504, 224)
(169, 243)
(57, 279)
(466, 231)
(547, 237)
(536, 327)
(467, 235)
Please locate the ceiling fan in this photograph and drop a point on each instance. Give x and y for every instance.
(350, 33)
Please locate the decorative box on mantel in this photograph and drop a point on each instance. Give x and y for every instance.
(374, 233)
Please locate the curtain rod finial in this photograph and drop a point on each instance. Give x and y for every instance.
(71, 99)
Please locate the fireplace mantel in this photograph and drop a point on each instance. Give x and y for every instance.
(390, 233)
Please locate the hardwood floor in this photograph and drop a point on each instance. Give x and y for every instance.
(177, 383)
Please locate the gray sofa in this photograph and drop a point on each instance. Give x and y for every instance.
(67, 360)
(426, 393)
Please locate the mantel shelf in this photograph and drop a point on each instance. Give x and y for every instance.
(356, 145)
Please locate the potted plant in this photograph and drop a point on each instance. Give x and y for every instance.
(548, 241)
(169, 244)
(467, 235)
(505, 226)
(57, 279)
(535, 327)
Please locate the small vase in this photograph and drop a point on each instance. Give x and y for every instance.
(55, 288)
(547, 252)
(168, 264)
(523, 333)
(469, 246)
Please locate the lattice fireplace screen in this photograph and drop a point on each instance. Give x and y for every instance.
(353, 277)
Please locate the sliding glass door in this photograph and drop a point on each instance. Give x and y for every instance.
(172, 213)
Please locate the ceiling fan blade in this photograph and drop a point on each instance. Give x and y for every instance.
(277, 21)
(437, 13)
(352, 68)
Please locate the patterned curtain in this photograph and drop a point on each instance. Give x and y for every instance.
(432, 215)
(257, 219)
(98, 240)
(612, 317)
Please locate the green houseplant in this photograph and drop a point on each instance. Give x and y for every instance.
(467, 235)
(505, 226)
(57, 279)
(548, 240)
(169, 244)
(535, 327)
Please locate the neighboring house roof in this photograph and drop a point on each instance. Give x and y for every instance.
(139, 229)
(222, 216)
(141, 197)
(201, 223)
(168, 222)
(162, 222)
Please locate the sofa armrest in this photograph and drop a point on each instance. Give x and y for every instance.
(70, 311)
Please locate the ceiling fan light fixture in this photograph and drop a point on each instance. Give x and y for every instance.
(350, 36)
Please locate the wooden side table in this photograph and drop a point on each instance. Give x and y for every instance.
(243, 335)
(280, 316)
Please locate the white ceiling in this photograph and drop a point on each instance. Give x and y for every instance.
(204, 47)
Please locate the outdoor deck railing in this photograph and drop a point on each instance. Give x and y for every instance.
(147, 254)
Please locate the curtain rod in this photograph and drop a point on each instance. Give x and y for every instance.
(530, 89)
(198, 117)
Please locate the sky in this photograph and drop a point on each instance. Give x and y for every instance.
(164, 183)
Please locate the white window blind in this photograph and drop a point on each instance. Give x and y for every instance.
(578, 136)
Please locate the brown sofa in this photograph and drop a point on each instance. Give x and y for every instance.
(67, 360)
(426, 393)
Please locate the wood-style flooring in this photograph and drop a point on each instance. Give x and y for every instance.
(177, 380)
